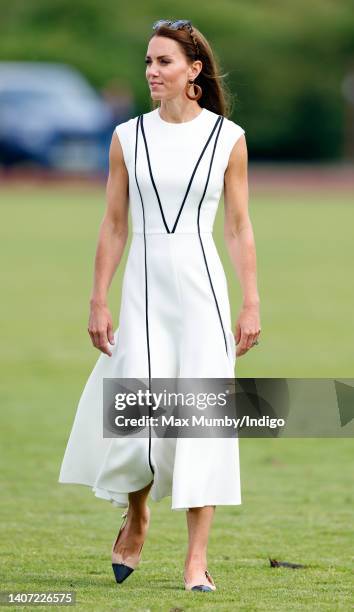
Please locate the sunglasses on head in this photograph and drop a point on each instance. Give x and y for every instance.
(179, 24)
(174, 25)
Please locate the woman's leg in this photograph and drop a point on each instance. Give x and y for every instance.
(199, 521)
(134, 532)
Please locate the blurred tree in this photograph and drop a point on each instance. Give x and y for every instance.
(285, 61)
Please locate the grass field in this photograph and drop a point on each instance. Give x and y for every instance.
(297, 494)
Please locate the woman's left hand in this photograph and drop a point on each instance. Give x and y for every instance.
(248, 328)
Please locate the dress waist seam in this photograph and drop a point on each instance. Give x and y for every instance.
(172, 233)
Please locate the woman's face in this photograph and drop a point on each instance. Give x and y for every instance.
(167, 70)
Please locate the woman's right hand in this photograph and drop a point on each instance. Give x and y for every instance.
(100, 327)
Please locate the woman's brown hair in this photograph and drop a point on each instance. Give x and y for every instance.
(216, 97)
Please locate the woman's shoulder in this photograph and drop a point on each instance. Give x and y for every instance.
(127, 129)
(126, 132)
(229, 134)
(230, 129)
(125, 126)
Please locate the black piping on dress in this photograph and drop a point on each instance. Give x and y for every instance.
(140, 123)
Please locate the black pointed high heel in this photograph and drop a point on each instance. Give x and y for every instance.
(123, 568)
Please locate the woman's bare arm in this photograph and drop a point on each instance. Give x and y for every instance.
(113, 234)
(240, 243)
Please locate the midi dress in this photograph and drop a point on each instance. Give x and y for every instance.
(174, 319)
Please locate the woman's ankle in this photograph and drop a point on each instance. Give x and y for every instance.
(195, 561)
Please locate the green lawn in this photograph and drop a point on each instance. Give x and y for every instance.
(297, 494)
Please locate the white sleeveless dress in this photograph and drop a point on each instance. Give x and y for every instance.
(174, 317)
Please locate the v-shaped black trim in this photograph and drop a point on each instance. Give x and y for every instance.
(190, 181)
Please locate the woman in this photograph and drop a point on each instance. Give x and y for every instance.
(175, 315)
